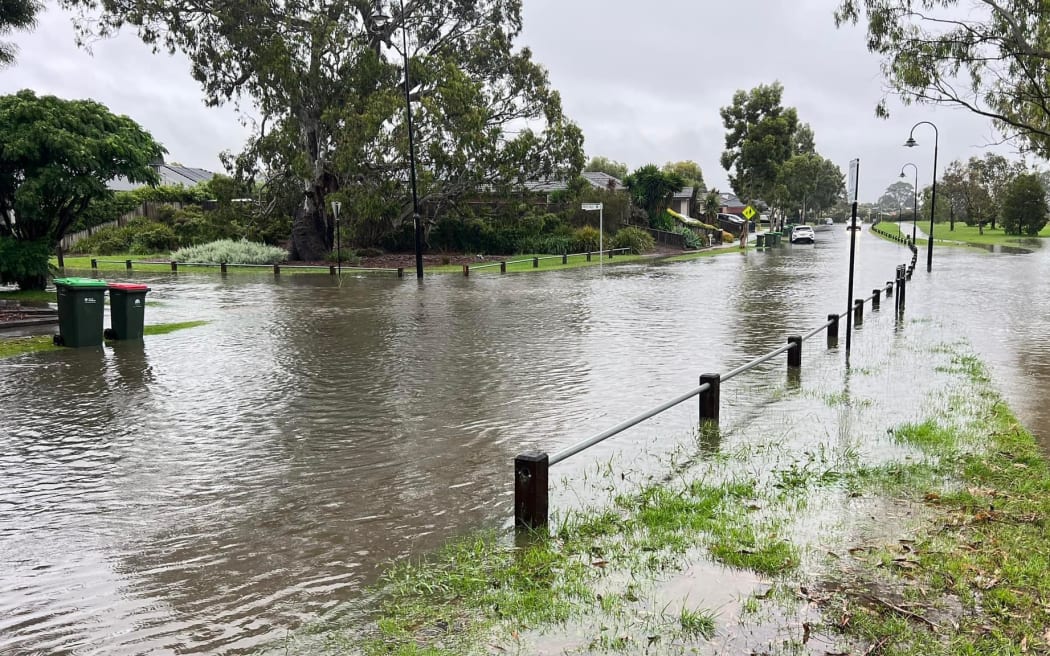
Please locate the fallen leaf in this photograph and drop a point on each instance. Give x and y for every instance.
(932, 496)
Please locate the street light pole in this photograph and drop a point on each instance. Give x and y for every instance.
(911, 143)
(914, 199)
(379, 20)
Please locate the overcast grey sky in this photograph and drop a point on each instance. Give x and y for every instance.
(644, 82)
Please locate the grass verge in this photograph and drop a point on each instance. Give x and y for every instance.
(12, 346)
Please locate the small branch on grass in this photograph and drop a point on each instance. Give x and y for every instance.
(904, 612)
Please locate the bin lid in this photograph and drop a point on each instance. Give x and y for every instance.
(80, 282)
(128, 287)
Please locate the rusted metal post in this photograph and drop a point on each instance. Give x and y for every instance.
(535, 263)
(876, 299)
(795, 353)
(174, 266)
(530, 490)
(127, 264)
(502, 267)
(833, 327)
(710, 398)
(858, 311)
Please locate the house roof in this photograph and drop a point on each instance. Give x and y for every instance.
(602, 180)
(730, 200)
(170, 174)
(597, 179)
(684, 192)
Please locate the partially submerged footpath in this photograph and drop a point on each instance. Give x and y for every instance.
(890, 521)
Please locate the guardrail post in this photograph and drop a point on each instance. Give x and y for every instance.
(876, 299)
(222, 267)
(535, 263)
(610, 253)
(858, 311)
(710, 398)
(502, 267)
(466, 270)
(94, 264)
(833, 327)
(903, 293)
(795, 353)
(277, 269)
(401, 272)
(889, 288)
(127, 264)
(174, 266)
(331, 269)
(530, 490)
(564, 258)
(588, 256)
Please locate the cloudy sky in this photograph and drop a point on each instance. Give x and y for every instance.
(644, 82)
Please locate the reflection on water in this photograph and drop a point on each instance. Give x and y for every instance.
(212, 488)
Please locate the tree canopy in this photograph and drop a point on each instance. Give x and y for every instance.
(651, 189)
(809, 183)
(991, 57)
(760, 136)
(898, 196)
(56, 157)
(15, 15)
(690, 173)
(1024, 205)
(327, 79)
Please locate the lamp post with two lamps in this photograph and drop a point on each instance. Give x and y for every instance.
(380, 20)
(914, 199)
(911, 143)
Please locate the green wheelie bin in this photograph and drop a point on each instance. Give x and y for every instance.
(127, 310)
(81, 303)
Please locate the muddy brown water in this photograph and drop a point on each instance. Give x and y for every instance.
(211, 490)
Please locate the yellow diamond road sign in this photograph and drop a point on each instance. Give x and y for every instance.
(749, 212)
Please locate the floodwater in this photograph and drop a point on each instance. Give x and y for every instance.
(211, 490)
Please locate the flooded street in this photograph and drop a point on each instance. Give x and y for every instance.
(214, 488)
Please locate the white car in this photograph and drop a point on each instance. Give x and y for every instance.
(803, 234)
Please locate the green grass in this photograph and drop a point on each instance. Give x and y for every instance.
(710, 252)
(12, 346)
(520, 263)
(972, 235)
(29, 295)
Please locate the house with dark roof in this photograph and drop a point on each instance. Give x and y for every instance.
(596, 179)
(170, 174)
(682, 201)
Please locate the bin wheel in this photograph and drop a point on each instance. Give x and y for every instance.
(109, 333)
(58, 341)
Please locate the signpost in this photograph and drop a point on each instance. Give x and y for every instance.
(749, 213)
(591, 207)
(851, 196)
(336, 206)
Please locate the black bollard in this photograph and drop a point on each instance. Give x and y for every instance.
(795, 352)
(710, 398)
(530, 490)
(876, 299)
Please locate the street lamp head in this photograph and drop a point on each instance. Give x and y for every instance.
(379, 19)
(902, 174)
(911, 143)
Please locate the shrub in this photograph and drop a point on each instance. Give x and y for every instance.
(551, 244)
(638, 240)
(692, 240)
(113, 240)
(24, 263)
(586, 238)
(153, 238)
(228, 251)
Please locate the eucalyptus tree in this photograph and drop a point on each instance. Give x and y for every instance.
(325, 78)
(991, 57)
(810, 183)
(760, 137)
(15, 15)
(608, 166)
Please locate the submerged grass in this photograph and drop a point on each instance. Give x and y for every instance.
(12, 346)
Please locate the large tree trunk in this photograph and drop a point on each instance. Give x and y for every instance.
(309, 231)
(312, 233)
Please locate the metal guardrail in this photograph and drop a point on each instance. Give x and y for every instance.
(536, 260)
(531, 469)
(223, 266)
